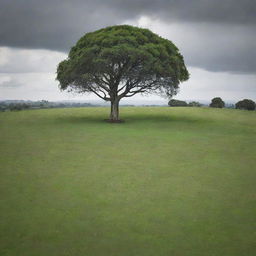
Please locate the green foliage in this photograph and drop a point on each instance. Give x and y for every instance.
(246, 104)
(194, 104)
(177, 103)
(217, 103)
(127, 57)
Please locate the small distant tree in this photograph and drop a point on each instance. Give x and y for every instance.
(18, 106)
(3, 106)
(25, 106)
(194, 104)
(15, 106)
(177, 103)
(44, 103)
(217, 103)
(246, 104)
(121, 61)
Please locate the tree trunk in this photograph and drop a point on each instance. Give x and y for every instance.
(114, 113)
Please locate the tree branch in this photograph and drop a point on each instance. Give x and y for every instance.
(119, 90)
(102, 97)
(129, 92)
(133, 93)
(101, 82)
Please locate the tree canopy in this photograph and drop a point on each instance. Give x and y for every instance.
(217, 103)
(177, 103)
(194, 104)
(246, 104)
(121, 61)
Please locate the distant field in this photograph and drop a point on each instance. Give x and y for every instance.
(168, 181)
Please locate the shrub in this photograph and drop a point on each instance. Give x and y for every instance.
(177, 103)
(246, 104)
(217, 103)
(18, 106)
(194, 104)
(14, 107)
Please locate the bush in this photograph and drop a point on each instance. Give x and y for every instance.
(3, 107)
(15, 107)
(217, 103)
(194, 104)
(177, 103)
(246, 104)
(18, 106)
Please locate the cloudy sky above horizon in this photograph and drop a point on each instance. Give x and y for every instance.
(217, 39)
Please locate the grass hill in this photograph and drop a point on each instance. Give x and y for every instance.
(168, 181)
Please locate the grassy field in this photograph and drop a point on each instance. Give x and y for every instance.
(168, 181)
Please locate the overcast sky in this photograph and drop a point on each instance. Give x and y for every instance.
(216, 37)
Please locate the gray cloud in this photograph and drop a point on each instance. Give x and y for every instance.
(11, 84)
(220, 11)
(214, 34)
(15, 60)
(215, 47)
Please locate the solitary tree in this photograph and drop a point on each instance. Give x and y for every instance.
(121, 61)
(217, 103)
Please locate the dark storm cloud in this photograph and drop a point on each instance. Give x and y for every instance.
(216, 47)
(221, 11)
(57, 24)
(50, 24)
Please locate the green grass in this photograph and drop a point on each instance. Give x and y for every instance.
(168, 181)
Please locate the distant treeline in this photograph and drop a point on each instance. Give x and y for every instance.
(216, 102)
(16, 105)
(10, 105)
